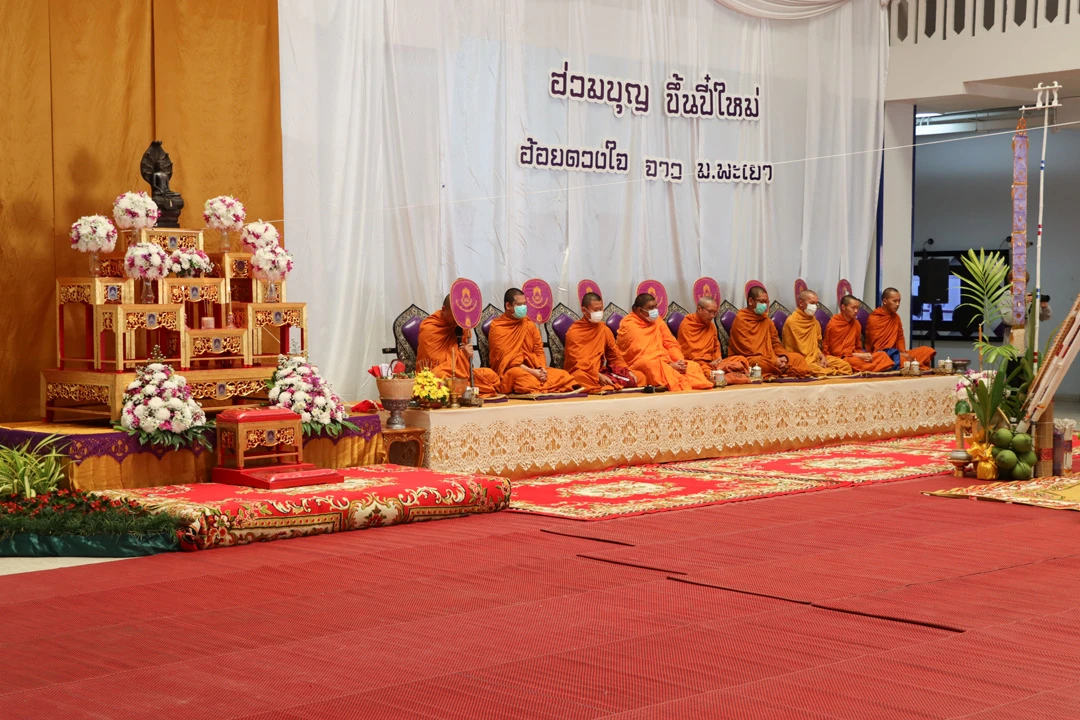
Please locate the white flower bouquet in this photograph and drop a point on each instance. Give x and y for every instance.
(224, 213)
(271, 263)
(93, 234)
(185, 262)
(297, 386)
(146, 261)
(135, 210)
(258, 235)
(159, 409)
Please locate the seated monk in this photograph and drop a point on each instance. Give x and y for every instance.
(802, 334)
(591, 356)
(885, 331)
(439, 335)
(754, 336)
(651, 350)
(700, 343)
(516, 352)
(843, 338)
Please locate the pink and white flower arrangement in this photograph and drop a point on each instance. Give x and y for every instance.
(146, 261)
(258, 235)
(297, 386)
(134, 211)
(224, 213)
(93, 233)
(185, 262)
(271, 263)
(966, 382)
(159, 408)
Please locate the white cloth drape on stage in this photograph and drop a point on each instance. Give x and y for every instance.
(783, 9)
(402, 122)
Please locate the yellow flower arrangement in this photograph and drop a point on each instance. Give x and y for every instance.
(427, 387)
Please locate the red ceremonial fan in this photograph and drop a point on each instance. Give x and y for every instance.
(538, 298)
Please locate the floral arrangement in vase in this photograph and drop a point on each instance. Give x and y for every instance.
(429, 390)
(159, 409)
(93, 234)
(271, 264)
(135, 211)
(224, 213)
(147, 262)
(186, 262)
(258, 235)
(297, 385)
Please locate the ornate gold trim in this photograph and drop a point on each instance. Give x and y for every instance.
(257, 438)
(74, 294)
(77, 392)
(266, 317)
(166, 319)
(205, 345)
(236, 388)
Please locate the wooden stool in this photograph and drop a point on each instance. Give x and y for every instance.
(405, 437)
(239, 432)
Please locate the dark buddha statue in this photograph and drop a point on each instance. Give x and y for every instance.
(156, 169)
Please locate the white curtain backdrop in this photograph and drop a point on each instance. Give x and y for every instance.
(402, 121)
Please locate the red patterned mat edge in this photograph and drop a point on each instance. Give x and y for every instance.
(217, 515)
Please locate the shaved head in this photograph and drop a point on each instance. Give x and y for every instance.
(889, 292)
(757, 293)
(642, 300)
(706, 303)
(808, 296)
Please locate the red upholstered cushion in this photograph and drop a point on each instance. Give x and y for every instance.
(247, 415)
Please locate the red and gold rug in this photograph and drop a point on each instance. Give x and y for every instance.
(220, 515)
(840, 464)
(1058, 493)
(645, 489)
(656, 488)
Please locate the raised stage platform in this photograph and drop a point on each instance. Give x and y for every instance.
(522, 438)
(105, 459)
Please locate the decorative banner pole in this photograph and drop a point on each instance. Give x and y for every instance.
(1019, 232)
(1043, 101)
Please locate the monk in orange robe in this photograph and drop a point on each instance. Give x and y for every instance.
(802, 335)
(885, 331)
(439, 336)
(591, 356)
(754, 336)
(650, 349)
(700, 343)
(516, 352)
(843, 338)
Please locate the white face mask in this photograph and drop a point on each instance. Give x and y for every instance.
(811, 309)
(596, 317)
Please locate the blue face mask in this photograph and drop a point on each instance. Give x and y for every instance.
(521, 311)
(760, 308)
(653, 315)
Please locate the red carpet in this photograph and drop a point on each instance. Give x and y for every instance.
(220, 515)
(500, 616)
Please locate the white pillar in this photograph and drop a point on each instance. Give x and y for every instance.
(899, 167)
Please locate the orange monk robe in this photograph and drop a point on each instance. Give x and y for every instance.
(700, 343)
(513, 343)
(802, 335)
(843, 338)
(589, 347)
(436, 349)
(650, 348)
(754, 337)
(885, 331)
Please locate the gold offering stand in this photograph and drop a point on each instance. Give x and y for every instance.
(224, 362)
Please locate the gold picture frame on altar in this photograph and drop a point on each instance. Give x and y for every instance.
(172, 239)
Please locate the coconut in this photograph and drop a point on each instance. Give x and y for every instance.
(1021, 443)
(1002, 437)
(1030, 457)
(1022, 471)
(1006, 460)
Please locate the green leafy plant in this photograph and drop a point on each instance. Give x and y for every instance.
(32, 468)
(174, 440)
(983, 290)
(985, 400)
(72, 512)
